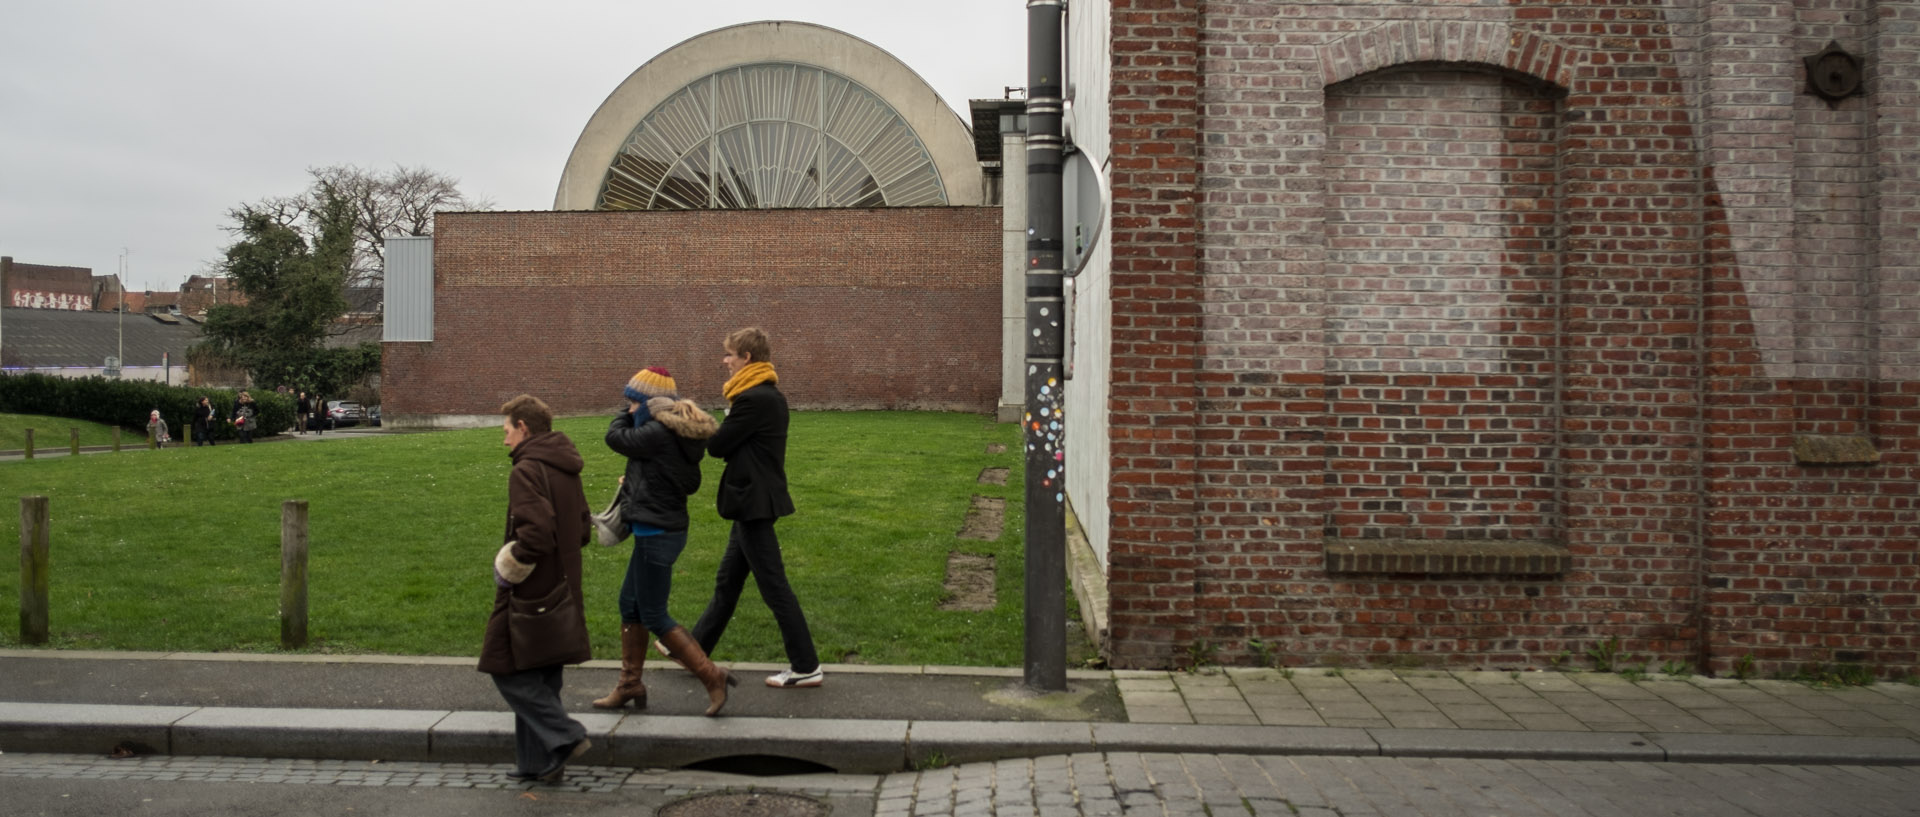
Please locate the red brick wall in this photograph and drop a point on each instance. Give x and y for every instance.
(1570, 272)
(72, 285)
(883, 308)
(1152, 555)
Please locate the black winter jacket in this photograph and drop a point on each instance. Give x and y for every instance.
(753, 441)
(663, 461)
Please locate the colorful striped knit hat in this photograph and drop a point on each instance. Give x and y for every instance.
(650, 382)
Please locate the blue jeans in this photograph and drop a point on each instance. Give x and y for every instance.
(643, 594)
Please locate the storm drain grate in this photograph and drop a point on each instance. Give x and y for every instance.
(748, 804)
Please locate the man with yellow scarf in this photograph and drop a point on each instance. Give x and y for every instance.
(753, 494)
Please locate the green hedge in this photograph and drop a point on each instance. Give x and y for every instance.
(125, 403)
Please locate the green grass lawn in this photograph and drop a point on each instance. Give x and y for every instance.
(179, 549)
(51, 433)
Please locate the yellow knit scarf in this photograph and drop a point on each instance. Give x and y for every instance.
(750, 375)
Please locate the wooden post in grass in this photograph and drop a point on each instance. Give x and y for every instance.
(293, 574)
(186, 436)
(34, 535)
(153, 440)
(73, 445)
(29, 443)
(116, 439)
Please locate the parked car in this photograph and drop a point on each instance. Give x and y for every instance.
(373, 416)
(342, 413)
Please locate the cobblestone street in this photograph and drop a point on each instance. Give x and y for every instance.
(1060, 786)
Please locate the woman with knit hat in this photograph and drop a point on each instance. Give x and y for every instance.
(663, 439)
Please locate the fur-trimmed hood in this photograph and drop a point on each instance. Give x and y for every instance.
(683, 417)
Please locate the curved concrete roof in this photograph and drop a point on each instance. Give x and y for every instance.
(938, 126)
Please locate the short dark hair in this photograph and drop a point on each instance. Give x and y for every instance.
(752, 344)
(530, 410)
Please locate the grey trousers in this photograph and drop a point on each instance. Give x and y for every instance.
(543, 733)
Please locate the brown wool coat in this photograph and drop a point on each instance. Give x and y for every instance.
(548, 519)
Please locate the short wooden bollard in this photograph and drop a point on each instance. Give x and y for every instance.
(29, 443)
(153, 440)
(116, 439)
(73, 445)
(293, 574)
(35, 524)
(186, 437)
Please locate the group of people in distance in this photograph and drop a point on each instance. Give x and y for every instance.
(244, 419)
(663, 437)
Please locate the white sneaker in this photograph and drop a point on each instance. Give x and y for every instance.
(788, 679)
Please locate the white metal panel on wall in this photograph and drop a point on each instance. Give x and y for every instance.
(409, 303)
(1089, 60)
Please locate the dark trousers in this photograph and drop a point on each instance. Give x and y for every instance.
(643, 593)
(246, 434)
(543, 733)
(202, 436)
(753, 550)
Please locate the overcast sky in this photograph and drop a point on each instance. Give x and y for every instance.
(137, 125)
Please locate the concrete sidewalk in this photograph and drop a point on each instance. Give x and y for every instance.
(869, 719)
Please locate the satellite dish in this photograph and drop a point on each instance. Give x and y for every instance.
(1084, 210)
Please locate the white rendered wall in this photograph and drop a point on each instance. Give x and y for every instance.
(172, 376)
(1013, 289)
(1089, 57)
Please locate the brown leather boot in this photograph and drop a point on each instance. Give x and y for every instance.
(633, 658)
(681, 647)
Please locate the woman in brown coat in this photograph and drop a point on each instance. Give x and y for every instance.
(547, 522)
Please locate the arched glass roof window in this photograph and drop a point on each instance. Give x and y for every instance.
(771, 135)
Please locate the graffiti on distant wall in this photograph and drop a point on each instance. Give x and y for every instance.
(51, 300)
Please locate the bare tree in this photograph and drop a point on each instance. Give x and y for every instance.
(400, 202)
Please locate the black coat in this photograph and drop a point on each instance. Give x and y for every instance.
(202, 420)
(753, 441)
(663, 462)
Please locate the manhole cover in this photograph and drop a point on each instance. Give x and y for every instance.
(750, 804)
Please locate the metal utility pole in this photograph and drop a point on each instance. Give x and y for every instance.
(120, 355)
(1043, 424)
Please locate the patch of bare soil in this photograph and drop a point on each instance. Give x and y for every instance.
(985, 519)
(970, 579)
(996, 448)
(993, 476)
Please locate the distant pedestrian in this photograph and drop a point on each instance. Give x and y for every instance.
(303, 413)
(157, 429)
(245, 417)
(203, 415)
(320, 415)
(538, 570)
(753, 493)
(663, 439)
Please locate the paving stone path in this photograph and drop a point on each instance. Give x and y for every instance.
(1551, 701)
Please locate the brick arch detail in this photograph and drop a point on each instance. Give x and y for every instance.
(1456, 41)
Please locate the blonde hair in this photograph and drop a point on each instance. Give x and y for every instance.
(752, 344)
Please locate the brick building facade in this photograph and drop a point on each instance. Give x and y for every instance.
(1482, 333)
(887, 308)
(46, 286)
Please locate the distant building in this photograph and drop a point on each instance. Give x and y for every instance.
(42, 286)
(78, 344)
(202, 291)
